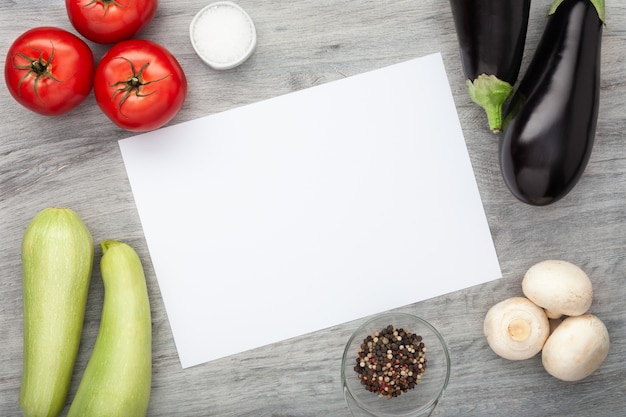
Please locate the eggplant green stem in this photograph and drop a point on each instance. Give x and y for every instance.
(489, 92)
(598, 4)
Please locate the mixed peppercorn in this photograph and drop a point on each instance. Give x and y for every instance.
(391, 361)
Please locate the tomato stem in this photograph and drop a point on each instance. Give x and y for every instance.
(37, 67)
(134, 84)
(105, 4)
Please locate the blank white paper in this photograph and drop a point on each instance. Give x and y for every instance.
(310, 209)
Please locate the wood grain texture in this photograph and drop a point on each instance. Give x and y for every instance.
(74, 160)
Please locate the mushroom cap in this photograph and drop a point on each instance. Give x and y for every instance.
(576, 348)
(560, 287)
(516, 328)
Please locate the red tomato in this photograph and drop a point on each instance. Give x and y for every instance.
(110, 21)
(49, 70)
(139, 85)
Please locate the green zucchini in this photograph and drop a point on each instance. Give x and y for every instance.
(118, 377)
(57, 257)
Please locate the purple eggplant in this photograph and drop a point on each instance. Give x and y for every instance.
(551, 123)
(491, 35)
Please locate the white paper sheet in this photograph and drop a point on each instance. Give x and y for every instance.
(310, 209)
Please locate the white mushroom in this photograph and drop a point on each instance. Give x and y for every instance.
(560, 287)
(576, 348)
(516, 328)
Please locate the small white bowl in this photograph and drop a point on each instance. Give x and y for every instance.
(223, 35)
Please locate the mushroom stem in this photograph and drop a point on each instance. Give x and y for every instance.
(519, 329)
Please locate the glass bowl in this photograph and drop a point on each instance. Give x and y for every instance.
(422, 398)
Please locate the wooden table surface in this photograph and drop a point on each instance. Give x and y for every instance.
(74, 161)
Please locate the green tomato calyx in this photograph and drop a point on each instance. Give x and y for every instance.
(105, 4)
(134, 84)
(36, 67)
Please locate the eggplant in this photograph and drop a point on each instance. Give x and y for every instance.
(491, 36)
(551, 123)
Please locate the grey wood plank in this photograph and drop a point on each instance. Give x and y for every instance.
(74, 160)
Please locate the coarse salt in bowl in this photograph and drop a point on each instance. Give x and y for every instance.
(223, 35)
